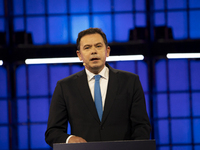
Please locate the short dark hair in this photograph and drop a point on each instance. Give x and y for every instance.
(91, 31)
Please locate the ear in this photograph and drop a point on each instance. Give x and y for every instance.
(79, 55)
(108, 51)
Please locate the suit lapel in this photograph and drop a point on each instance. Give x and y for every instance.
(85, 93)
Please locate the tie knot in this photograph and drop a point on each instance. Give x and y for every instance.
(97, 77)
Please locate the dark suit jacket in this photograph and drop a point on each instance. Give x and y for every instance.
(124, 116)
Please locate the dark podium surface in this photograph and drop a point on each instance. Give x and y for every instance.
(110, 145)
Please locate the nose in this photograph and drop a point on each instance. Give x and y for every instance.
(94, 50)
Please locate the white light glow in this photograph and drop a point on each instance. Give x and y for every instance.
(183, 55)
(1, 62)
(76, 59)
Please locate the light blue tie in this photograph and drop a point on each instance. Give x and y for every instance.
(97, 96)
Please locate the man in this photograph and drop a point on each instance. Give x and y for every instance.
(121, 113)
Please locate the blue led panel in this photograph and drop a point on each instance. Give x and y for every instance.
(3, 81)
(181, 131)
(1, 7)
(194, 3)
(126, 66)
(77, 68)
(104, 22)
(101, 6)
(4, 109)
(159, 4)
(147, 104)
(196, 104)
(140, 19)
(178, 22)
(196, 131)
(36, 26)
(58, 30)
(18, 24)
(38, 81)
(178, 80)
(164, 147)
(143, 74)
(113, 65)
(123, 24)
(2, 24)
(196, 147)
(182, 148)
(176, 4)
(39, 109)
(140, 5)
(18, 7)
(120, 5)
(79, 6)
(21, 89)
(22, 110)
(57, 72)
(37, 136)
(4, 138)
(159, 19)
(23, 137)
(161, 106)
(163, 132)
(160, 75)
(35, 6)
(55, 7)
(194, 24)
(180, 105)
(195, 74)
(78, 23)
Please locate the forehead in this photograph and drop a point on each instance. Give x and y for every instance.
(91, 39)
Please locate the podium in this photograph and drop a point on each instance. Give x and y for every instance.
(109, 145)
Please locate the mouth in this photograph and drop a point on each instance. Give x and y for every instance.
(93, 59)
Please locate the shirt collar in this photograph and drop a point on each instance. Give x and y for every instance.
(104, 73)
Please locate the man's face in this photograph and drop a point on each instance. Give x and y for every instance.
(93, 52)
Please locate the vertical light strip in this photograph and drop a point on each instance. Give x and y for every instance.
(183, 55)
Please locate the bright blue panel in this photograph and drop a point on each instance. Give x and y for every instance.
(112, 64)
(69, 129)
(1, 7)
(161, 76)
(22, 110)
(194, 3)
(178, 22)
(18, 7)
(196, 104)
(79, 6)
(182, 148)
(19, 24)
(57, 72)
(163, 131)
(126, 66)
(39, 109)
(23, 137)
(140, 5)
(140, 19)
(101, 6)
(3, 81)
(78, 23)
(175, 4)
(77, 68)
(162, 106)
(4, 138)
(35, 6)
(21, 89)
(36, 26)
(121, 5)
(181, 131)
(2, 25)
(4, 109)
(178, 110)
(196, 147)
(164, 147)
(104, 22)
(37, 136)
(38, 80)
(123, 24)
(159, 19)
(195, 74)
(178, 80)
(58, 33)
(147, 104)
(194, 24)
(159, 4)
(55, 7)
(143, 74)
(196, 131)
